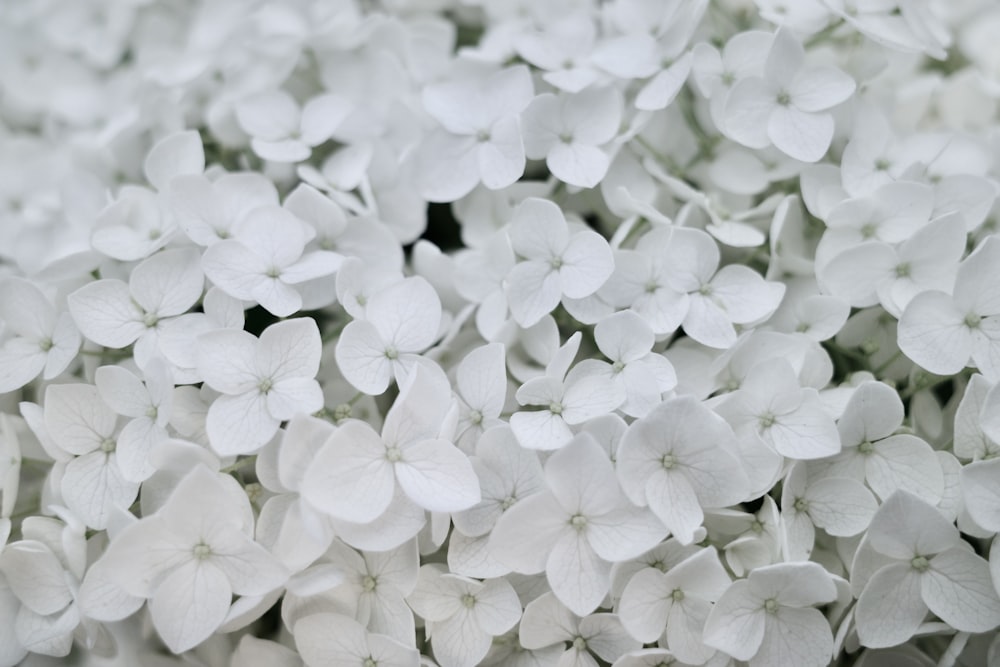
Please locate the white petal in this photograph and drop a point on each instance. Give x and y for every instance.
(905, 525)
(501, 158)
(481, 379)
(234, 268)
(736, 623)
(105, 313)
(933, 334)
(190, 604)
(905, 462)
(21, 361)
(331, 639)
(820, 88)
(533, 291)
(981, 492)
(645, 604)
(36, 576)
(406, 314)
(801, 135)
(525, 533)
(578, 577)
(270, 116)
(226, 360)
(578, 164)
(321, 116)
(240, 423)
(289, 349)
(361, 357)
(437, 476)
(587, 262)
(351, 465)
(873, 412)
(958, 589)
(447, 166)
(890, 609)
(841, 506)
(178, 154)
(76, 418)
(672, 498)
(747, 109)
(812, 646)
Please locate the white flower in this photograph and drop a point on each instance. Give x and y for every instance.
(264, 381)
(114, 314)
(92, 482)
(282, 131)
(755, 617)
(925, 565)
(675, 603)
(44, 341)
(463, 615)
(334, 639)
(576, 528)
(548, 622)
(839, 505)
(626, 340)
(873, 452)
(480, 137)
(786, 106)
(191, 556)
(680, 458)
(569, 130)
(266, 259)
(944, 334)
(556, 261)
(400, 321)
(148, 403)
(412, 452)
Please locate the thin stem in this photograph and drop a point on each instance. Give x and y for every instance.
(954, 649)
(881, 368)
(920, 386)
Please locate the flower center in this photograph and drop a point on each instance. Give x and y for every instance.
(393, 454)
(972, 320)
(201, 551)
(784, 98)
(369, 583)
(770, 605)
(45, 344)
(150, 320)
(107, 445)
(341, 412)
(866, 447)
(476, 417)
(555, 408)
(677, 595)
(669, 461)
(469, 600)
(578, 521)
(767, 420)
(265, 385)
(920, 563)
(507, 502)
(801, 505)
(579, 643)
(391, 353)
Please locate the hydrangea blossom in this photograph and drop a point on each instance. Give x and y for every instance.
(534, 334)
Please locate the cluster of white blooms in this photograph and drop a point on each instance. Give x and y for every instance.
(524, 333)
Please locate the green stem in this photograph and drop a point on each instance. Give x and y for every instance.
(884, 366)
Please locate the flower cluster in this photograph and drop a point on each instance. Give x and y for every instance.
(527, 333)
